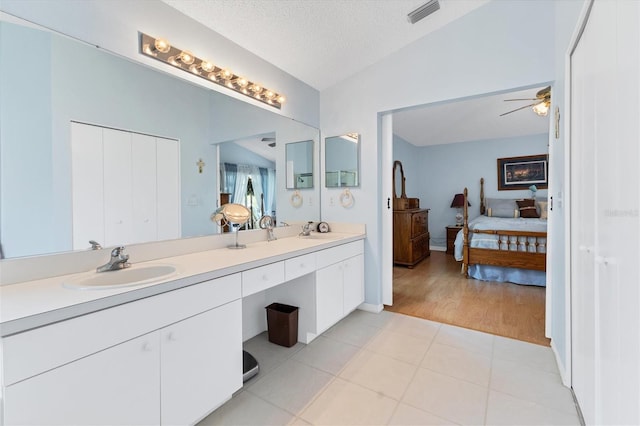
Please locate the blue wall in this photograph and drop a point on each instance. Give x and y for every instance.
(440, 171)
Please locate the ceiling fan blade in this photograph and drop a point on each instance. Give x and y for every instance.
(527, 99)
(518, 109)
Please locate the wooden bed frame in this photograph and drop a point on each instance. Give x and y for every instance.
(500, 257)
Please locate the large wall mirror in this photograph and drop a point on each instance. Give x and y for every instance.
(299, 165)
(48, 81)
(342, 160)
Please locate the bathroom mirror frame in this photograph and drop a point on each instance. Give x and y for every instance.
(52, 224)
(342, 161)
(299, 164)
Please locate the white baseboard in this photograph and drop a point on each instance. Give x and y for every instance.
(368, 307)
(561, 367)
(438, 248)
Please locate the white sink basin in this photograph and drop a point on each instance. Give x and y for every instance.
(132, 276)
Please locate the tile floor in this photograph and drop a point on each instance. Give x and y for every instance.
(387, 368)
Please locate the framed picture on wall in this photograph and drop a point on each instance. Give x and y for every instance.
(522, 172)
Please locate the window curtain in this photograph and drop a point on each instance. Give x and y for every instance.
(269, 189)
(228, 176)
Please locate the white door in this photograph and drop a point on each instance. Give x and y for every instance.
(353, 283)
(201, 363)
(605, 190)
(118, 194)
(143, 185)
(117, 386)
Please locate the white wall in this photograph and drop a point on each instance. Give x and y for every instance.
(499, 46)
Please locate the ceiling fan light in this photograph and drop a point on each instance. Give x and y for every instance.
(542, 109)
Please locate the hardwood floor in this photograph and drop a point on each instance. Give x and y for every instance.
(434, 289)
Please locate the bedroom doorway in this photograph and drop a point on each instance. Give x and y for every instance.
(452, 174)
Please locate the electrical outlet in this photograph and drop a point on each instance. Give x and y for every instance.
(331, 201)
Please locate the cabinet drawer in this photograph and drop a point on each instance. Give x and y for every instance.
(418, 224)
(35, 351)
(258, 279)
(420, 247)
(299, 266)
(336, 254)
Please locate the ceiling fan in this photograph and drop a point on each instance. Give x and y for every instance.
(540, 106)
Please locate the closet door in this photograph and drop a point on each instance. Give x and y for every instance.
(605, 220)
(118, 194)
(143, 185)
(87, 185)
(168, 190)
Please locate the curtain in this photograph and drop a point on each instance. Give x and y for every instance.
(228, 179)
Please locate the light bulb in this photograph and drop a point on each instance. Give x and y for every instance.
(269, 94)
(226, 74)
(541, 109)
(162, 45)
(207, 66)
(256, 88)
(281, 99)
(186, 57)
(242, 82)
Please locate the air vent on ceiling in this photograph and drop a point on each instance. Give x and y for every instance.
(270, 141)
(423, 11)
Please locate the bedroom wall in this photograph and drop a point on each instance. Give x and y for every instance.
(447, 169)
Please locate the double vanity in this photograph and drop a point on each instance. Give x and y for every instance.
(161, 342)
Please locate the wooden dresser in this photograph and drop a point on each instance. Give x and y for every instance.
(410, 236)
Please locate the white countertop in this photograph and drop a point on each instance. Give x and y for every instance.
(32, 304)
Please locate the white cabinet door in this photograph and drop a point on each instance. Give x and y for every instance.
(201, 363)
(143, 184)
(353, 283)
(87, 185)
(117, 386)
(329, 296)
(168, 189)
(118, 195)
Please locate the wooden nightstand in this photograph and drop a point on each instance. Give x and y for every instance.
(452, 231)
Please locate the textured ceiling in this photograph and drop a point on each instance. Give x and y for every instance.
(320, 42)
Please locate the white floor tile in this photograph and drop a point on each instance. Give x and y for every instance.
(344, 403)
(463, 338)
(352, 332)
(292, 386)
(531, 384)
(462, 364)
(378, 320)
(327, 354)
(407, 415)
(507, 410)
(247, 409)
(379, 373)
(447, 397)
(536, 356)
(416, 327)
(269, 355)
(399, 346)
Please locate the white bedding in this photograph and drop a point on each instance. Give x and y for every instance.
(498, 273)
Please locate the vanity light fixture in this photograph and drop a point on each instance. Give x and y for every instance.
(160, 49)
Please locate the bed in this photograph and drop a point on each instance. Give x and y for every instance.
(500, 248)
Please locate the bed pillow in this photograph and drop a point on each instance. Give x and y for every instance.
(542, 209)
(528, 208)
(499, 207)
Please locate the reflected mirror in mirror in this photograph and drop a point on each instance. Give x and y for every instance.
(57, 84)
(342, 160)
(299, 165)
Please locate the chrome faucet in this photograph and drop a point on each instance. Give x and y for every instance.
(95, 245)
(266, 222)
(118, 260)
(306, 229)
